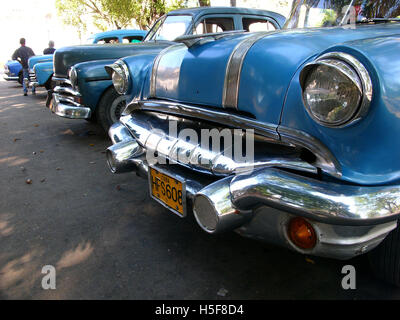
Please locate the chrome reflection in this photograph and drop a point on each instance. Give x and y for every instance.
(318, 200)
(152, 131)
(214, 211)
(121, 156)
(287, 136)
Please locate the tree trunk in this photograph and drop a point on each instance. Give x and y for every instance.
(204, 3)
(233, 3)
(294, 3)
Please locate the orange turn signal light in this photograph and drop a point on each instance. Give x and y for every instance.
(302, 233)
(78, 100)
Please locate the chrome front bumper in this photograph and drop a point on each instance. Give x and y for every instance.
(9, 78)
(348, 220)
(63, 104)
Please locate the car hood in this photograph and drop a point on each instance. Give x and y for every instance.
(12, 63)
(265, 85)
(37, 59)
(66, 57)
(213, 73)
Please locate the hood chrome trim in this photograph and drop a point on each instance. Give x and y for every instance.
(234, 69)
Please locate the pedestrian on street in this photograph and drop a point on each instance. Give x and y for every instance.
(50, 49)
(22, 54)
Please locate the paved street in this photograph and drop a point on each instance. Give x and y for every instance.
(108, 240)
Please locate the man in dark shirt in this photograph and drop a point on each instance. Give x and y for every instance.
(50, 49)
(22, 54)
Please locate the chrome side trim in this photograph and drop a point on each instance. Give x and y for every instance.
(318, 200)
(286, 136)
(325, 159)
(192, 39)
(233, 71)
(153, 79)
(216, 116)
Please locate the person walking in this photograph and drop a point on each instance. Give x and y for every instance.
(50, 49)
(22, 54)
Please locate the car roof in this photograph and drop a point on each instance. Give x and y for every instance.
(117, 33)
(210, 10)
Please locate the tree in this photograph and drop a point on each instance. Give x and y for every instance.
(106, 14)
(204, 3)
(147, 11)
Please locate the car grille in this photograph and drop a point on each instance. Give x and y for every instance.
(32, 76)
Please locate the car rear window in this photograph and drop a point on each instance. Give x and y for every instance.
(255, 24)
(108, 40)
(132, 39)
(213, 25)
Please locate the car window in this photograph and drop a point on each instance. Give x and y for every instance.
(132, 39)
(254, 24)
(108, 40)
(213, 25)
(170, 28)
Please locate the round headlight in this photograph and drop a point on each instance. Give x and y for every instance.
(120, 77)
(337, 89)
(73, 77)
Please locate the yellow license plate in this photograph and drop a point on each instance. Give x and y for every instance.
(169, 191)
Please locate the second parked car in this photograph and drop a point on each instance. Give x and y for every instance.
(85, 89)
(41, 67)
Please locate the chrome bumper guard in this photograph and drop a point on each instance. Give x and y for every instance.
(64, 105)
(33, 83)
(348, 220)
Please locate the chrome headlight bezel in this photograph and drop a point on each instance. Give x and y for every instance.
(352, 69)
(120, 69)
(73, 77)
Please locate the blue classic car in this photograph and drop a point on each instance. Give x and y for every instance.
(40, 71)
(41, 67)
(13, 71)
(317, 110)
(85, 89)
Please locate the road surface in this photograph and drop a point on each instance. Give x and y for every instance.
(108, 240)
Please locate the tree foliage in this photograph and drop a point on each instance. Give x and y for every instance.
(113, 14)
(204, 3)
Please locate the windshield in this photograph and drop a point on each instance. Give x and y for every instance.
(330, 13)
(169, 28)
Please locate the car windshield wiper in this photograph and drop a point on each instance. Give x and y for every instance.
(379, 20)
